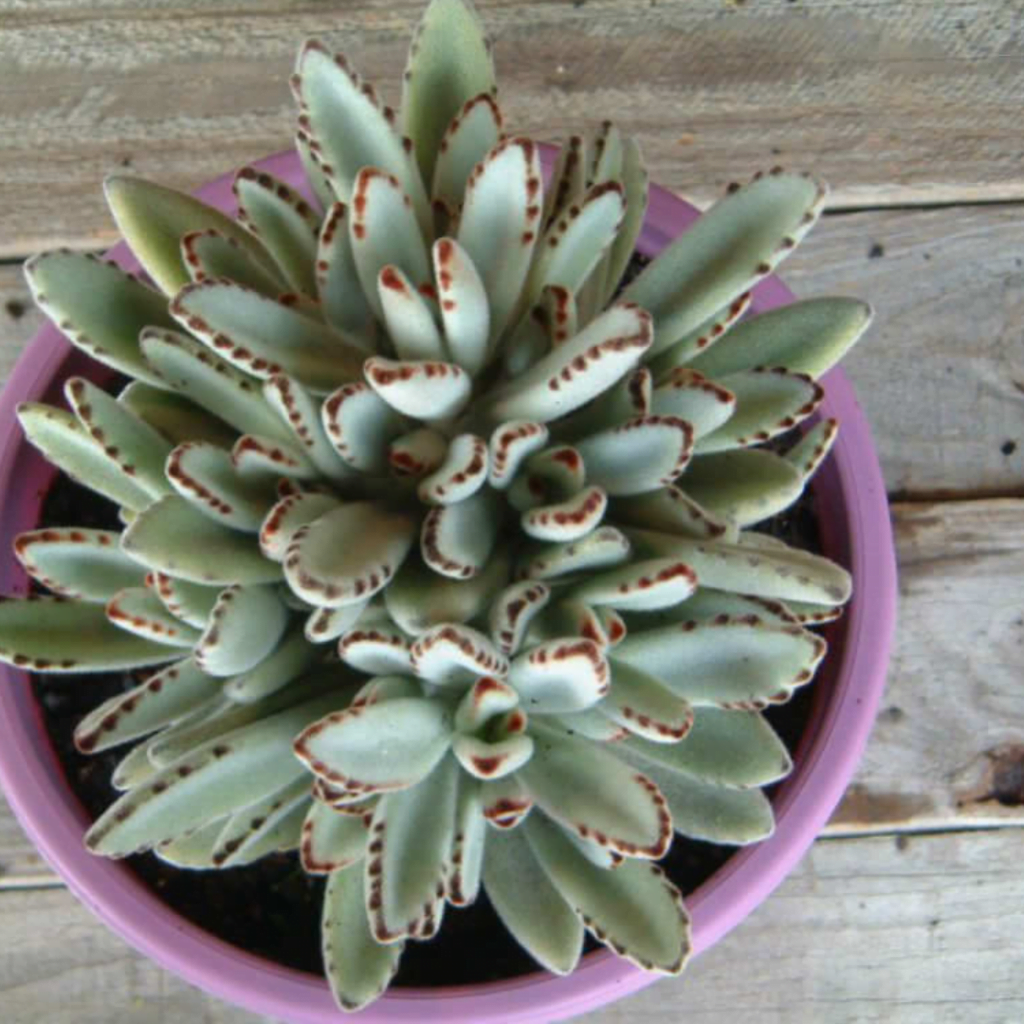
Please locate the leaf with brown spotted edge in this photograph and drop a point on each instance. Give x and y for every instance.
(707, 603)
(358, 967)
(639, 586)
(361, 426)
(634, 910)
(554, 474)
(458, 540)
(645, 707)
(465, 311)
(509, 445)
(292, 658)
(376, 650)
(568, 179)
(245, 626)
(567, 520)
(635, 181)
(249, 824)
(736, 663)
(606, 546)
(465, 859)
(670, 510)
(810, 451)
(194, 850)
(452, 655)
(427, 391)
(471, 134)
(683, 352)
(586, 788)
(513, 610)
(331, 840)
(629, 398)
(460, 476)
(175, 417)
(377, 748)
(639, 455)
(215, 554)
(528, 903)
(706, 406)
(78, 292)
(560, 676)
(736, 243)
(82, 563)
(208, 254)
(326, 624)
(330, 574)
(287, 515)
(216, 778)
(591, 723)
(140, 611)
(409, 320)
(344, 307)
(492, 759)
(728, 748)
(418, 452)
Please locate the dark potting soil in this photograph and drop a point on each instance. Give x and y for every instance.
(272, 908)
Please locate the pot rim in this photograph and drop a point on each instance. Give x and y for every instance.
(856, 531)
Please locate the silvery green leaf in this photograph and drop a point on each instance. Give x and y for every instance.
(584, 787)
(470, 135)
(714, 814)
(73, 562)
(529, 905)
(282, 835)
(213, 384)
(382, 688)
(419, 598)
(639, 703)
(244, 628)
(768, 403)
(214, 554)
(567, 520)
(133, 769)
(326, 624)
(342, 300)
(289, 660)
(574, 244)
(639, 455)
(629, 398)
(250, 823)
(706, 604)
(689, 395)
(265, 459)
(312, 162)
(526, 344)
(506, 802)
(457, 540)
(205, 476)
(263, 336)
(210, 254)
(153, 220)
(351, 129)
(736, 243)
(194, 850)
(411, 836)
(608, 347)
(568, 179)
(360, 425)
(612, 625)
(466, 858)
(66, 443)
(512, 612)
(561, 316)
(455, 655)
(810, 613)
(560, 676)
(728, 748)
(500, 223)
(163, 698)
(461, 475)
(639, 586)
(465, 312)
(670, 510)
(138, 610)
(426, 391)
(634, 179)
(358, 967)
(409, 320)
(744, 485)
(291, 512)
(566, 618)
(78, 291)
(804, 337)
(510, 444)
(377, 748)
(810, 451)
(784, 574)
(485, 759)
(595, 853)
(449, 64)
(634, 909)
(329, 574)
(418, 452)
(605, 163)
(383, 231)
(174, 416)
(219, 777)
(604, 547)
(331, 841)
(682, 352)
(376, 650)
(733, 663)
(283, 221)
(190, 602)
(551, 474)
(485, 700)
(132, 444)
(592, 724)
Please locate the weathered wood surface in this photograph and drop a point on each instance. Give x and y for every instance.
(894, 101)
(948, 748)
(940, 374)
(919, 931)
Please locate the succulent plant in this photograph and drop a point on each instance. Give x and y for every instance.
(441, 544)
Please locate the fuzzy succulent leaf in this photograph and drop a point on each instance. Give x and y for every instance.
(471, 134)
(744, 485)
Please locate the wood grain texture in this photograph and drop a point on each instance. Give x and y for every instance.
(813, 953)
(894, 101)
(948, 748)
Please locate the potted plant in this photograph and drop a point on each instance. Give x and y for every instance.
(439, 556)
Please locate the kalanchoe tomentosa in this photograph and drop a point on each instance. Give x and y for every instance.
(440, 544)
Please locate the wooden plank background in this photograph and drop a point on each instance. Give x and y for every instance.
(910, 909)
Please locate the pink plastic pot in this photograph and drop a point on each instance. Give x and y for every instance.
(855, 530)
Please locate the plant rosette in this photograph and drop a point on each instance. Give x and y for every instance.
(549, 639)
